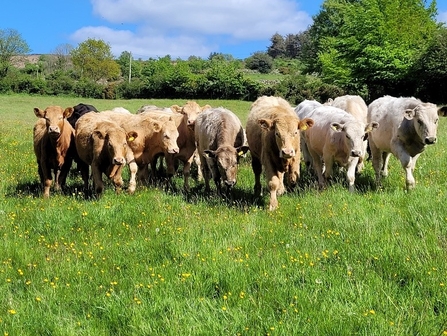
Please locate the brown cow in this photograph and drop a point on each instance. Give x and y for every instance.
(53, 145)
(103, 145)
(153, 137)
(274, 140)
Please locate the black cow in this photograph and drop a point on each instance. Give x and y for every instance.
(80, 110)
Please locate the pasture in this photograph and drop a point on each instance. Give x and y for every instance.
(162, 262)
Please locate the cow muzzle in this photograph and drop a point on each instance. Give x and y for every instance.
(119, 161)
(430, 140)
(356, 153)
(173, 150)
(54, 130)
(287, 153)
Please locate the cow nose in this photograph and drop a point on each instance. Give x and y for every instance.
(287, 152)
(119, 161)
(356, 153)
(53, 129)
(430, 140)
(230, 183)
(173, 150)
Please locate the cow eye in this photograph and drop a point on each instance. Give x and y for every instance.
(348, 136)
(420, 122)
(277, 134)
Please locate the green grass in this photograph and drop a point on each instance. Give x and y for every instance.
(168, 263)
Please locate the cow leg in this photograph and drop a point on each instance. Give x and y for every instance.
(133, 168)
(206, 173)
(350, 173)
(143, 173)
(170, 169)
(47, 180)
(318, 168)
(257, 170)
(385, 159)
(97, 180)
(118, 180)
(196, 160)
(84, 169)
(280, 189)
(273, 184)
(63, 173)
(376, 154)
(186, 174)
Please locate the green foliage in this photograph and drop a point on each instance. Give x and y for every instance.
(296, 88)
(259, 61)
(94, 60)
(371, 42)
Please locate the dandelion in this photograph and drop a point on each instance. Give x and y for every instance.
(12, 311)
(38, 299)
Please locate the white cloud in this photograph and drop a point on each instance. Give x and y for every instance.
(183, 28)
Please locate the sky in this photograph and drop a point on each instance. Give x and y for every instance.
(156, 28)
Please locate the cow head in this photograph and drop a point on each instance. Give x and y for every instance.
(425, 121)
(190, 111)
(169, 133)
(286, 133)
(54, 117)
(352, 134)
(224, 161)
(112, 139)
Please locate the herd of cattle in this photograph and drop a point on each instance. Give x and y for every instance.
(336, 133)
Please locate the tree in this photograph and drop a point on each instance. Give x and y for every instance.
(127, 63)
(372, 42)
(260, 61)
(94, 60)
(62, 54)
(277, 48)
(11, 44)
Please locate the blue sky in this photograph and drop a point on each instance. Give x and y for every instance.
(154, 28)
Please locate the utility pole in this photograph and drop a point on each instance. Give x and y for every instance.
(130, 66)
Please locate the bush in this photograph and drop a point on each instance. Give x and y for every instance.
(260, 61)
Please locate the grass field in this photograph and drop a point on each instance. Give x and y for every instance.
(167, 263)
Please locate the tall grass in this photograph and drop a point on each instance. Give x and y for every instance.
(162, 262)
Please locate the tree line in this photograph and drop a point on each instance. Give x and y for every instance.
(365, 47)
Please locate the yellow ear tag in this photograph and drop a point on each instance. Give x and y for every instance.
(240, 153)
(131, 139)
(304, 127)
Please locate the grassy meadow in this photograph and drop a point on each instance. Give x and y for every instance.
(163, 262)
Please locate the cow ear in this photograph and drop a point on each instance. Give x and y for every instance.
(203, 108)
(176, 108)
(371, 126)
(68, 112)
(265, 123)
(39, 113)
(177, 119)
(131, 136)
(409, 114)
(156, 125)
(337, 127)
(305, 124)
(209, 153)
(100, 135)
(242, 150)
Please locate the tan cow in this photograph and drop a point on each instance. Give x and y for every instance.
(220, 140)
(186, 141)
(53, 145)
(153, 137)
(103, 145)
(274, 140)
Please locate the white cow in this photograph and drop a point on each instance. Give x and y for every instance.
(303, 110)
(336, 137)
(407, 127)
(356, 106)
